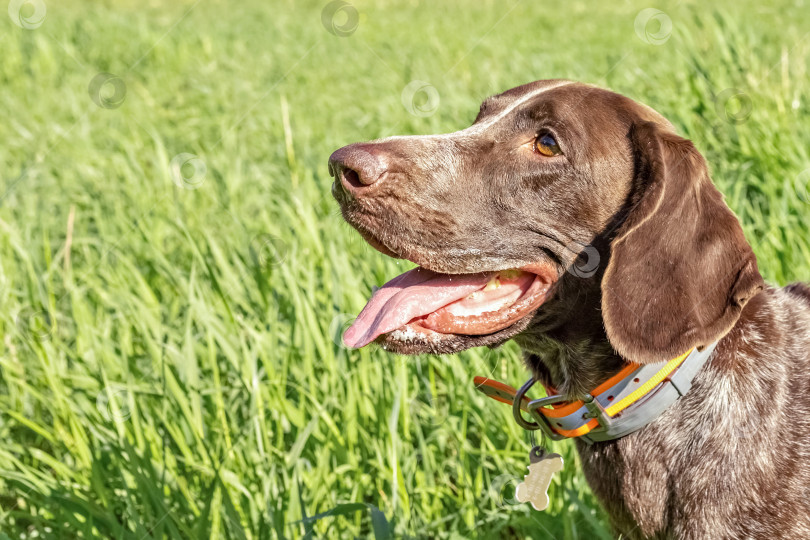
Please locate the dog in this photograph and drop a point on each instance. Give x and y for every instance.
(576, 222)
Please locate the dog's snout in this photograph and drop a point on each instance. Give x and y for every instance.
(356, 167)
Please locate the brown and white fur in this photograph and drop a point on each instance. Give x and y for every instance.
(731, 459)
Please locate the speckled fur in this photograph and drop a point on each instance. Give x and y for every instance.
(731, 459)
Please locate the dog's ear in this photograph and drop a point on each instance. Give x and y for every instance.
(680, 269)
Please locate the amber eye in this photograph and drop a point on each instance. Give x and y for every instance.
(547, 145)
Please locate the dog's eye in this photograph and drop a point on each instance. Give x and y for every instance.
(547, 145)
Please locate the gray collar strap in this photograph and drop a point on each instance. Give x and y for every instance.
(627, 402)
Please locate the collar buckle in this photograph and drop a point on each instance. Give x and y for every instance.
(595, 410)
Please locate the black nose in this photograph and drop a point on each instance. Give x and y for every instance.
(356, 167)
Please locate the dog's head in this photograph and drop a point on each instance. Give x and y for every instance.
(495, 214)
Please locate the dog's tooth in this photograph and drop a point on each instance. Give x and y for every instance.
(493, 283)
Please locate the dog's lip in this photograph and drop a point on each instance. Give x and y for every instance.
(428, 341)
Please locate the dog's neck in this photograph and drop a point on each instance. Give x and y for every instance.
(565, 346)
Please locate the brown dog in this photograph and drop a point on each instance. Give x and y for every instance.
(502, 216)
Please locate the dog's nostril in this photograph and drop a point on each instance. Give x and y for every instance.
(351, 177)
(357, 166)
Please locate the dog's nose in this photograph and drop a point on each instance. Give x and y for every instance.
(356, 167)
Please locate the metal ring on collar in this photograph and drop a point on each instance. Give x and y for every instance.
(542, 422)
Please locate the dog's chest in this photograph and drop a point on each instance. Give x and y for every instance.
(706, 468)
(634, 487)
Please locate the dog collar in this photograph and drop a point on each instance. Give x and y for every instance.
(624, 403)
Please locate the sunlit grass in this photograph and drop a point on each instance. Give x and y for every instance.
(169, 361)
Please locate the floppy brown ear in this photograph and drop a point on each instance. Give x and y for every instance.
(680, 269)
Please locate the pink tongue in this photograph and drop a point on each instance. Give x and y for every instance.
(408, 296)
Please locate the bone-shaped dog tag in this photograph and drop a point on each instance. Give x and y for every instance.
(534, 487)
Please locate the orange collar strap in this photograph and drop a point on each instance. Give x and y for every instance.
(624, 403)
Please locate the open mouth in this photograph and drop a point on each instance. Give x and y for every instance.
(425, 304)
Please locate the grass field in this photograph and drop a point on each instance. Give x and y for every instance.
(174, 273)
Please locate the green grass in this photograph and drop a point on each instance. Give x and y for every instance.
(168, 365)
